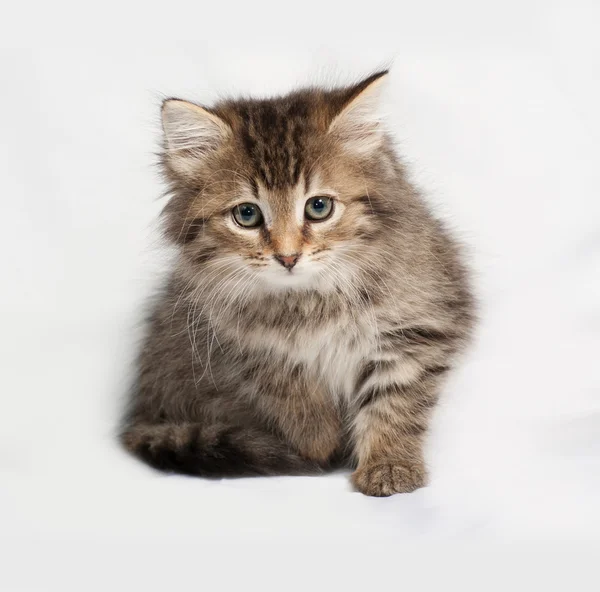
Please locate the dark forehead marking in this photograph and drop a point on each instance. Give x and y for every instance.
(273, 134)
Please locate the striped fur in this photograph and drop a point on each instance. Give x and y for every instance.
(253, 368)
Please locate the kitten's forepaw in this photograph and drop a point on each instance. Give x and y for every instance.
(386, 479)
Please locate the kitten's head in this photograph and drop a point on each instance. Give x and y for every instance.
(286, 193)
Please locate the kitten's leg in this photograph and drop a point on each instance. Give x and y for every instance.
(305, 416)
(388, 433)
(213, 451)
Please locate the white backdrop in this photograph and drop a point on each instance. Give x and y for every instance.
(495, 107)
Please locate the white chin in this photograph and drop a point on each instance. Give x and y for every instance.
(276, 279)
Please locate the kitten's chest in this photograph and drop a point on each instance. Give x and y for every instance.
(333, 357)
(330, 355)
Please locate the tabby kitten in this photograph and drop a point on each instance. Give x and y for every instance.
(315, 307)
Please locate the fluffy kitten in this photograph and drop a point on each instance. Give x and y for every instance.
(316, 305)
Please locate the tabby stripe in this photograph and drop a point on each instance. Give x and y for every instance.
(205, 256)
(193, 229)
(435, 370)
(418, 334)
(371, 368)
(376, 392)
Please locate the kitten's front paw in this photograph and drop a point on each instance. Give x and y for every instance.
(385, 479)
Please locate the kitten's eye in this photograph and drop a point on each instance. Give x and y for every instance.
(247, 215)
(318, 208)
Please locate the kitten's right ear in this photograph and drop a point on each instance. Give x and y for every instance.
(191, 134)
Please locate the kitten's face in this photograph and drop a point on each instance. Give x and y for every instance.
(287, 236)
(278, 195)
(301, 236)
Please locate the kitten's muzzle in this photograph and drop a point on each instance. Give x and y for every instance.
(288, 261)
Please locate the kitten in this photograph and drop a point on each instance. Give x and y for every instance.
(316, 305)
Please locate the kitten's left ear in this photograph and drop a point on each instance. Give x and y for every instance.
(358, 125)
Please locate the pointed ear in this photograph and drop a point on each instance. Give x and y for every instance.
(358, 124)
(191, 134)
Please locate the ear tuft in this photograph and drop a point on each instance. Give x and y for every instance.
(358, 125)
(191, 133)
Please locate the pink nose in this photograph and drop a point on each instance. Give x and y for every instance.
(288, 261)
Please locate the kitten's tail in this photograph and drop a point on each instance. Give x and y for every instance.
(214, 451)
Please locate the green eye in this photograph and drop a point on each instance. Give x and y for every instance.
(318, 208)
(247, 215)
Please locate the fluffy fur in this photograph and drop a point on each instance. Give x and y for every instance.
(251, 367)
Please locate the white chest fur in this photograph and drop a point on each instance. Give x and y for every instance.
(332, 354)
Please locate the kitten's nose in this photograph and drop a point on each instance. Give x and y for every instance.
(288, 261)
